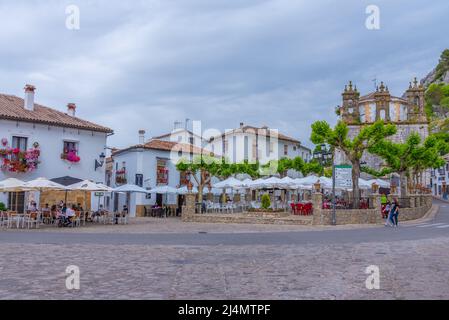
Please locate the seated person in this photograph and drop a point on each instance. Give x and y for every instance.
(123, 214)
(70, 213)
(98, 213)
(32, 206)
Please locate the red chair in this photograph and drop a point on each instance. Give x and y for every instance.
(299, 208)
(292, 205)
(308, 209)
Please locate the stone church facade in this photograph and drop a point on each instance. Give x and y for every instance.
(406, 112)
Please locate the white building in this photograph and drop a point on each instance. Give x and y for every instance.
(56, 137)
(439, 179)
(181, 134)
(148, 164)
(253, 143)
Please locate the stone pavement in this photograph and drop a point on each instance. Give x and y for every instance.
(408, 270)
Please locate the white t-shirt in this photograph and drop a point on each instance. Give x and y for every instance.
(69, 212)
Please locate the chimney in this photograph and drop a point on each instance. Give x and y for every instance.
(29, 97)
(241, 125)
(141, 136)
(71, 109)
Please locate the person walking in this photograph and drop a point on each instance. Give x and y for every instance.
(388, 213)
(395, 213)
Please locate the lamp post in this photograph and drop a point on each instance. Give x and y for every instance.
(324, 156)
(99, 164)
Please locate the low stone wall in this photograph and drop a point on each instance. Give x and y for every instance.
(413, 213)
(245, 218)
(370, 216)
(348, 216)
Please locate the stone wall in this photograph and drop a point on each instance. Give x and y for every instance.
(245, 218)
(367, 216)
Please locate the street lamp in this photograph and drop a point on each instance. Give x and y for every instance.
(99, 164)
(323, 155)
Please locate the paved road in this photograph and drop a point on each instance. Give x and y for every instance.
(436, 228)
(258, 265)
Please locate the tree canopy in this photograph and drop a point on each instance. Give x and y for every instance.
(412, 156)
(353, 148)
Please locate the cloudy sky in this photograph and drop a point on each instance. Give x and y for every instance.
(282, 63)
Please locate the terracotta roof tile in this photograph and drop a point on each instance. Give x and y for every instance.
(12, 108)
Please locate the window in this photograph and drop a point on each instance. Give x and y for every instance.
(19, 143)
(139, 179)
(285, 149)
(191, 140)
(179, 138)
(161, 172)
(70, 146)
(294, 148)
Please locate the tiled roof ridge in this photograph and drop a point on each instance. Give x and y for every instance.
(14, 110)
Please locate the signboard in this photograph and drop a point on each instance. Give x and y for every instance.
(343, 176)
(99, 194)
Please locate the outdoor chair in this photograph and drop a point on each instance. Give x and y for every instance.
(3, 218)
(123, 218)
(308, 210)
(14, 218)
(76, 219)
(293, 208)
(31, 218)
(299, 208)
(46, 217)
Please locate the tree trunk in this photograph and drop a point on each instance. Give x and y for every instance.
(200, 193)
(355, 183)
(403, 179)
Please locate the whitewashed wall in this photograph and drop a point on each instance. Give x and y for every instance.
(50, 138)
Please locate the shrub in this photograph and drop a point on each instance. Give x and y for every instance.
(445, 90)
(2, 206)
(445, 102)
(266, 201)
(434, 94)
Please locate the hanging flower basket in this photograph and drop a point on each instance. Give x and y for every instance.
(15, 160)
(70, 156)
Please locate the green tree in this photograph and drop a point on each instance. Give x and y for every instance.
(354, 148)
(204, 167)
(282, 165)
(411, 157)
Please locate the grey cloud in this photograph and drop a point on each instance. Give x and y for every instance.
(145, 64)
